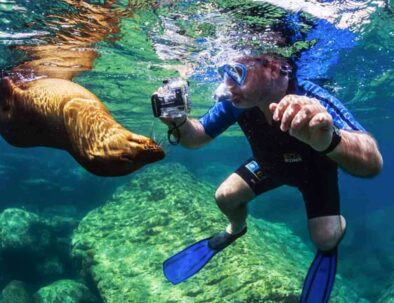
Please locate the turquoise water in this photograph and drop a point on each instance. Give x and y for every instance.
(354, 62)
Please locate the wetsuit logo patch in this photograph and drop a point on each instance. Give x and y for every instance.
(254, 168)
(292, 158)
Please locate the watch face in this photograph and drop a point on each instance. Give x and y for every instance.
(336, 139)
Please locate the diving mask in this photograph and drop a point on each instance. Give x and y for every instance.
(237, 72)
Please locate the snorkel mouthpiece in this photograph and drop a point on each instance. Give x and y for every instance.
(222, 93)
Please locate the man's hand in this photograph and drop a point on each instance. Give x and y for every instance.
(305, 119)
(170, 121)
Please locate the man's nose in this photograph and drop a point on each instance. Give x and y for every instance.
(230, 83)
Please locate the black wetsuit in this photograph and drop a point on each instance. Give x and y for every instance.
(280, 159)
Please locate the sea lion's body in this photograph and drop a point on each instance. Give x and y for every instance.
(62, 114)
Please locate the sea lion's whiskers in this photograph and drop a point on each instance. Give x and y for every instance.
(152, 133)
(163, 143)
(154, 136)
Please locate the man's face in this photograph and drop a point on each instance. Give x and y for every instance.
(257, 88)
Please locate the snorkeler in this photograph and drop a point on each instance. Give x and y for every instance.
(299, 135)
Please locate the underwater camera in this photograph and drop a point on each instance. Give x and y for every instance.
(172, 99)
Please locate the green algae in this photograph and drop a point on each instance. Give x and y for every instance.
(23, 231)
(121, 247)
(251, 19)
(65, 291)
(253, 14)
(15, 292)
(195, 29)
(388, 292)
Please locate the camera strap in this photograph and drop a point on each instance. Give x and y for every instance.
(174, 132)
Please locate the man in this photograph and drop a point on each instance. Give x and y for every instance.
(299, 135)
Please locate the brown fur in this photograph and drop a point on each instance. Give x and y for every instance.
(62, 114)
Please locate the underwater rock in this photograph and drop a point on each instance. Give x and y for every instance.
(121, 246)
(22, 231)
(15, 292)
(388, 293)
(51, 268)
(34, 249)
(25, 241)
(65, 291)
(63, 225)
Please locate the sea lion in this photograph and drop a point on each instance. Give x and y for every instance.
(62, 114)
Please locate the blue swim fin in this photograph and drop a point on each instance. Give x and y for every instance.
(188, 262)
(192, 259)
(320, 278)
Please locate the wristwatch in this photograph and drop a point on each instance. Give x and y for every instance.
(336, 139)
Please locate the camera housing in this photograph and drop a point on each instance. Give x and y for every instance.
(172, 99)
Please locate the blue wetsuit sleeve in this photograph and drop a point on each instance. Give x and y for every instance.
(219, 117)
(341, 116)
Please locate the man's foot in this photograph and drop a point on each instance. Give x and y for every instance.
(235, 229)
(223, 239)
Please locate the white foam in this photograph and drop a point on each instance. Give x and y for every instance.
(344, 14)
(5, 35)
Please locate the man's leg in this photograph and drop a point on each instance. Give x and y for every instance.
(326, 227)
(232, 196)
(325, 223)
(326, 232)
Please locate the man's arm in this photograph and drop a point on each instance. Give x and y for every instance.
(358, 154)
(195, 133)
(308, 121)
(191, 132)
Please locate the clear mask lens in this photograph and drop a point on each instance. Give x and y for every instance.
(236, 72)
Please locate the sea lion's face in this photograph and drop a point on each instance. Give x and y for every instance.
(125, 153)
(144, 151)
